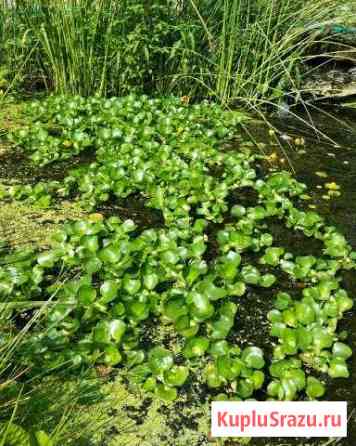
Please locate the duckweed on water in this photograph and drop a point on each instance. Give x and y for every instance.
(119, 279)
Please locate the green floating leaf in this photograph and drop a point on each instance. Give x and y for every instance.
(196, 269)
(117, 329)
(228, 267)
(238, 211)
(176, 376)
(151, 281)
(47, 259)
(258, 378)
(131, 285)
(110, 254)
(289, 389)
(245, 388)
(195, 347)
(219, 348)
(338, 368)
(290, 341)
(305, 314)
(112, 355)
(267, 280)
(253, 357)
(109, 290)
(91, 243)
(201, 308)
(315, 388)
(160, 360)
(250, 275)
(283, 301)
(138, 311)
(175, 308)
(342, 350)
(237, 289)
(321, 339)
(272, 256)
(166, 393)
(86, 295)
(229, 368)
(187, 327)
(211, 291)
(212, 377)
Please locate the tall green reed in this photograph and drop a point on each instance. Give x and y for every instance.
(260, 46)
(232, 50)
(73, 37)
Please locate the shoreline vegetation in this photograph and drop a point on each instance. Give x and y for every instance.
(237, 51)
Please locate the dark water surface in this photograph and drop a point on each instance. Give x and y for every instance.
(337, 159)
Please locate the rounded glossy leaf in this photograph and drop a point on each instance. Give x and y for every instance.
(342, 350)
(289, 341)
(102, 333)
(250, 275)
(139, 311)
(253, 357)
(238, 211)
(236, 289)
(175, 308)
(228, 368)
(86, 295)
(195, 347)
(132, 286)
(267, 280)
(219, 348)
(283, 301)
(117, 329)
(47, 259)
(245, 388)
(112, 355)
(321, 339)
(304, 313)
(290, 317)
(297, 376)
(258, 378)
(150, 384)
(274, 389)
(166, 393)
(289, 388)
(338, 368)
(212, 377)
(91, 243)
(160, 360)
(315, 388)
(177, 376)
(201, 308)
(187, 327)
(272, 256)
(151, 281)
(110, 254)
(109, 290)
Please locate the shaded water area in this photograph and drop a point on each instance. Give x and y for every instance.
(316, 161)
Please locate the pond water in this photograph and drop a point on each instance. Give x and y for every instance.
(316, 161)
(335, 161)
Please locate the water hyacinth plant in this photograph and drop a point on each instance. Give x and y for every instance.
(192, 271)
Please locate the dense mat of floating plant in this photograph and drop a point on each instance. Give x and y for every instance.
(104, 282)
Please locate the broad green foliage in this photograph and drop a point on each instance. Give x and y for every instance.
(154, 147)
(13, 435)
(104, 282)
